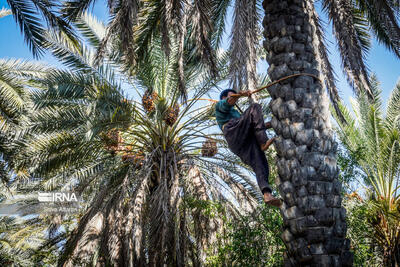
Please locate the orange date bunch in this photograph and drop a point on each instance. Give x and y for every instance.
(148, 101)
(171, 115)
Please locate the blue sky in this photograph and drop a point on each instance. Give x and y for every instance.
(380, 60)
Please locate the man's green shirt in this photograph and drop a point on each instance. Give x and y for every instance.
(224, 112)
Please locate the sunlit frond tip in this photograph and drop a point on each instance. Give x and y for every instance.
(4, 12)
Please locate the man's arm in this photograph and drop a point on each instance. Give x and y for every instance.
(234, 98)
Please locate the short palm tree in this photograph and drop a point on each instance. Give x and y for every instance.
(375, 138)
(294, 43)
(137, 163)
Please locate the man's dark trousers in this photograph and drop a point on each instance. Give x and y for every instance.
(245, 135)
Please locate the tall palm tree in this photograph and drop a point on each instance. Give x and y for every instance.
(138, 166)
(314, 218)
(375, 138)
(294, 42)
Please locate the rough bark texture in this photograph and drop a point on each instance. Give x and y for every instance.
(314, 221)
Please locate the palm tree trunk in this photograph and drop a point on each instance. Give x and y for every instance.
(314, 221)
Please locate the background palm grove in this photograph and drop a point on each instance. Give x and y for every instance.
(157, 184)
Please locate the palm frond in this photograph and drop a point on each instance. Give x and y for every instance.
(373, 143)
(220, 10)
(27, 18)
(202, 29)
(351, 49)
(54, 22)
(242, 50)
(383, 19)
(23, 69)
(148, 19)
(122, 27)
(69, 53)
(92, 29)
(326, 66)
(72, 9)
(11, 95)
(393, 107)
(28, 15)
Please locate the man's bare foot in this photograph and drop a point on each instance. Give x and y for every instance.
(265, 146)
(271, 200)
(268, 125)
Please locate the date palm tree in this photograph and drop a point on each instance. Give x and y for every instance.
(375, 138)
(315, 221)
(138, 166)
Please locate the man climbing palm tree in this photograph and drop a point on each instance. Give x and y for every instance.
(246, 137)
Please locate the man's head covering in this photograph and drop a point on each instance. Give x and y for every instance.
(225, 93)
